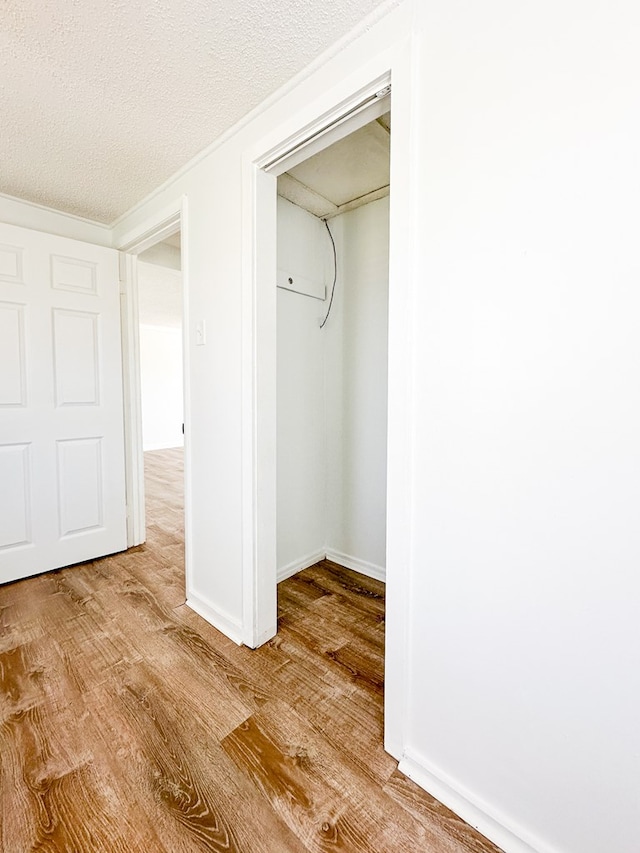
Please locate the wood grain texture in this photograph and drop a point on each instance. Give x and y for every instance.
(127, 723)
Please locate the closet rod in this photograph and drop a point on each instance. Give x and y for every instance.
(351, 113)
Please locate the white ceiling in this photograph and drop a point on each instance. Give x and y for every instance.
(163, 254)
(347, 174)
(102, 102)
(174, 240)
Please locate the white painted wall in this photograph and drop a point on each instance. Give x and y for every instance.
(161, 384)
(161, 358)
(332, 392)
(160, 295)
(525, 639)
(301, 511)
(519, 640)
(356, 391)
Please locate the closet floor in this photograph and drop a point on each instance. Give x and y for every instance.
(127, 723)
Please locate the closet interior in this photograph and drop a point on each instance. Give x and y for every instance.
(332, 309)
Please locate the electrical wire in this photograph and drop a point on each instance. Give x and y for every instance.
(335, 274)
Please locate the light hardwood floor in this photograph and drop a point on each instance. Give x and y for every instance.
(127, 723)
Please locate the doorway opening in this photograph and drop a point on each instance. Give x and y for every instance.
(153, 299)
(332, 359)
(294, 143)
(160, 331)
(260, 303)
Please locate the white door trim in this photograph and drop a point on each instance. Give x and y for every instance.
(154, 229)
(398, 64)
(149, 232)
(134, 460)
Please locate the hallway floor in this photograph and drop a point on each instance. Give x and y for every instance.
(130, 725)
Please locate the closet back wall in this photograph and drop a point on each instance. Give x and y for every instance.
(332, 393)
(356, 392)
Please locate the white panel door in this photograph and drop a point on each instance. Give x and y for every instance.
(62, 490)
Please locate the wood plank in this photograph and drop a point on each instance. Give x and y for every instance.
(182, 775)
(361, 623)
(20, 682)
(61, 801)
(366, 592)
(327, 803)
(298, 592)
(453, 833)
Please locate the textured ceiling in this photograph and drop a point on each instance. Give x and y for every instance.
(102, 102)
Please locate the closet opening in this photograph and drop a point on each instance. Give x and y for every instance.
(332, 358)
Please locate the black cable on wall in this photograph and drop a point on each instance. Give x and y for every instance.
(335, 274)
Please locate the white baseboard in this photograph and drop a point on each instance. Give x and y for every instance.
(495, 827)
(369, 569)
(298, 565)
(224, 623)
(354, 563)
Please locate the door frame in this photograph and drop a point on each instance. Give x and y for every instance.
(151, 231)
(398, 65)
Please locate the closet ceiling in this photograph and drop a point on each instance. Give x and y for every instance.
(347, 174)
(104, 102)
(174, 240)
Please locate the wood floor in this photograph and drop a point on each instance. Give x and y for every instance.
(127, 723)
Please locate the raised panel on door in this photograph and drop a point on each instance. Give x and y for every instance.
(76, 354)
(12, 355)
(81, 497)
(73, 274)
(11, 264)
(60, 401)
(15, 502)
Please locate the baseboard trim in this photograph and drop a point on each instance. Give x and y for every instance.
(298, 565)
(370, 570)
(495, 827)
(224, 623)
(378, 573)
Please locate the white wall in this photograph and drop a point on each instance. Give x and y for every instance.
(525, 602)
(161, 358)
(522, 630)
(301, 511)
(161, 386)
(356, 391)
(332, 392)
